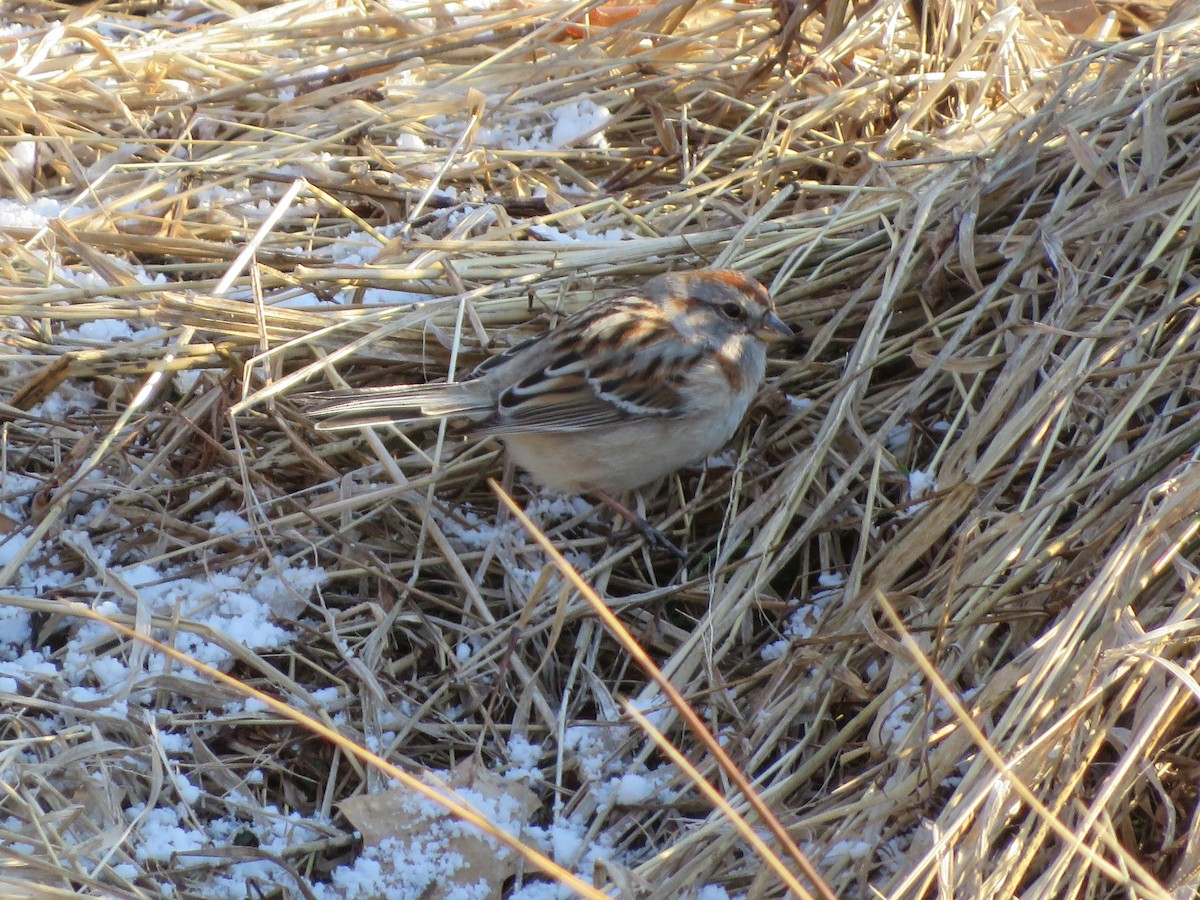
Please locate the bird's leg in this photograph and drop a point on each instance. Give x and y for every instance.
(652, 535)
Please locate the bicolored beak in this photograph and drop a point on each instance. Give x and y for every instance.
(774, 328)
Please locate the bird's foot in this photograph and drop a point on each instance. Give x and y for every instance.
(648, 532)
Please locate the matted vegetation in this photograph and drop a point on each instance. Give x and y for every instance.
(940, 600)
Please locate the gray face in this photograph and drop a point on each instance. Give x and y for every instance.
(716, 304)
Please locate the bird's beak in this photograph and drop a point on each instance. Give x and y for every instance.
(774, 328)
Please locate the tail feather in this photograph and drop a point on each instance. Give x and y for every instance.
(394, 403)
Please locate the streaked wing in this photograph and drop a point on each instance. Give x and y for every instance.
(603, 366)
(492, 363)
(610, 363)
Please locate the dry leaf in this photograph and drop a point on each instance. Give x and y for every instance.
(421, 847)
(604, 16)
(1077, 16)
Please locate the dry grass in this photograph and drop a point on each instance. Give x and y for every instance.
(987, 228)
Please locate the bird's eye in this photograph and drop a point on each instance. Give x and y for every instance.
(732, 310)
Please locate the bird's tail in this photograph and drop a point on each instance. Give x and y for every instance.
(394, 403)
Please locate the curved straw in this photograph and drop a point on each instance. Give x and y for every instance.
(706, 737)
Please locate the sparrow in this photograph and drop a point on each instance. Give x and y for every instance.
(617, 396)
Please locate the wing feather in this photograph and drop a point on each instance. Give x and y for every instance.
(599, 368)
(607, 364)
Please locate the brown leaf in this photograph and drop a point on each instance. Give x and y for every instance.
(1076, 16)
(460, 853)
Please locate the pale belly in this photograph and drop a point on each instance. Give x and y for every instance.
(626, 456)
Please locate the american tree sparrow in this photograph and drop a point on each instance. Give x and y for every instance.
(619, 394)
